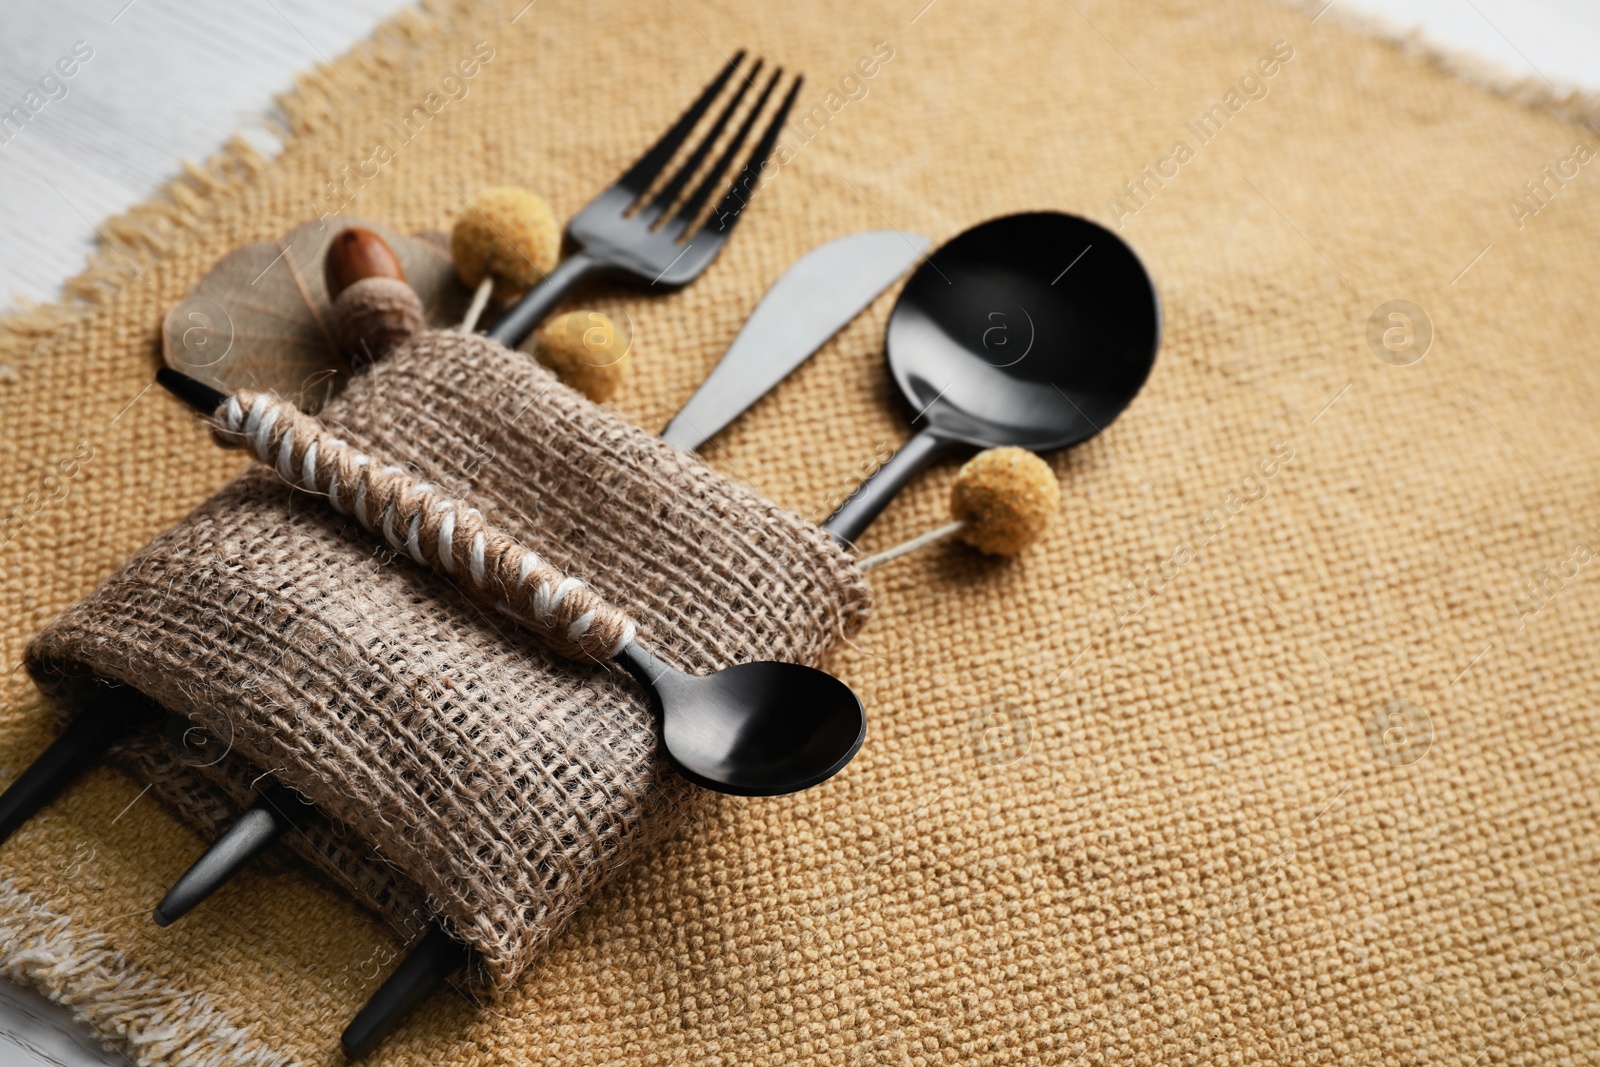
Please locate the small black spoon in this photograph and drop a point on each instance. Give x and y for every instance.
(753, 729)
(1033, 330)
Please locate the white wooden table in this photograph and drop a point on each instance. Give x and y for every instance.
(166, 80)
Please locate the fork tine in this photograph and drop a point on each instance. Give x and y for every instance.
(641, 174)
(611, 237)
(669, 192)
(697, 200)
(727, 212)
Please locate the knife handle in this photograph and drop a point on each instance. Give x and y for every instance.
(874, 494)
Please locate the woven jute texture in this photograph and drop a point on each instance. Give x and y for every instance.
(1321, 792)
(450, 750)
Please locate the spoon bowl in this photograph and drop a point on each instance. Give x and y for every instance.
(754, 729)
(1034, 330)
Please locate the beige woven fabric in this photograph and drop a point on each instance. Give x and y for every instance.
(450, 749)
(1075, 834)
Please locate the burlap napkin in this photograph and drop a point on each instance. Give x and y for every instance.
(454, 759)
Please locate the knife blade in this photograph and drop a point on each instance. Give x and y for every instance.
(812, 301)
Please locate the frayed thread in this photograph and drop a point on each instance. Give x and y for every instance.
(131, 1011)
(1567, 102)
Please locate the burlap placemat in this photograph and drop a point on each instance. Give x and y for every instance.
(1286, 766)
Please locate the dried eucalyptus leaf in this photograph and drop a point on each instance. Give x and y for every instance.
(260, 318)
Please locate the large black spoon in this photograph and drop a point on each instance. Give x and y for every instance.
(1033, 330)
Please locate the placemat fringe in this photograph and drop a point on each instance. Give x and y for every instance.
(132, 1013)
(1564, 101)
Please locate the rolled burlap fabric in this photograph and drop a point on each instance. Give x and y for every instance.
(462, 769)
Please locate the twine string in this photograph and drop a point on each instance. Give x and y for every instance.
(432, 528)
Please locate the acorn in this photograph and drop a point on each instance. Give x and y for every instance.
(507, 235)
(375, 316)
(586, 350)
(374, 310)
(357, 253)
(1002, 501)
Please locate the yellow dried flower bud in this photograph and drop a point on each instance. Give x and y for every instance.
(509, 234)
(1006, 497)
(586, 350)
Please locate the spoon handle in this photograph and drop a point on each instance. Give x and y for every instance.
(435, 530)
(874, 494)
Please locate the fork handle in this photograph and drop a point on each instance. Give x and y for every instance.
(522, 317)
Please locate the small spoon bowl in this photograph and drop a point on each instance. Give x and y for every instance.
(1034, 330)
(753, 729)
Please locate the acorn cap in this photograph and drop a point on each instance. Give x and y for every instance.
(509, 234)
(374, 316)
(586, 350)
(1006, 497)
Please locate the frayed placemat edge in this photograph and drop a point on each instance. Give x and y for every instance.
(1567, 102)
(130, 1011)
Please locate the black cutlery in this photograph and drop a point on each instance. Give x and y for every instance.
(109, 716)
(1034, 330)
(276, 812)
(621, 235)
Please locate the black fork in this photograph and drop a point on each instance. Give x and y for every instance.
(658, 242)
(664, 242)
(621, 234)
(614, 238)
